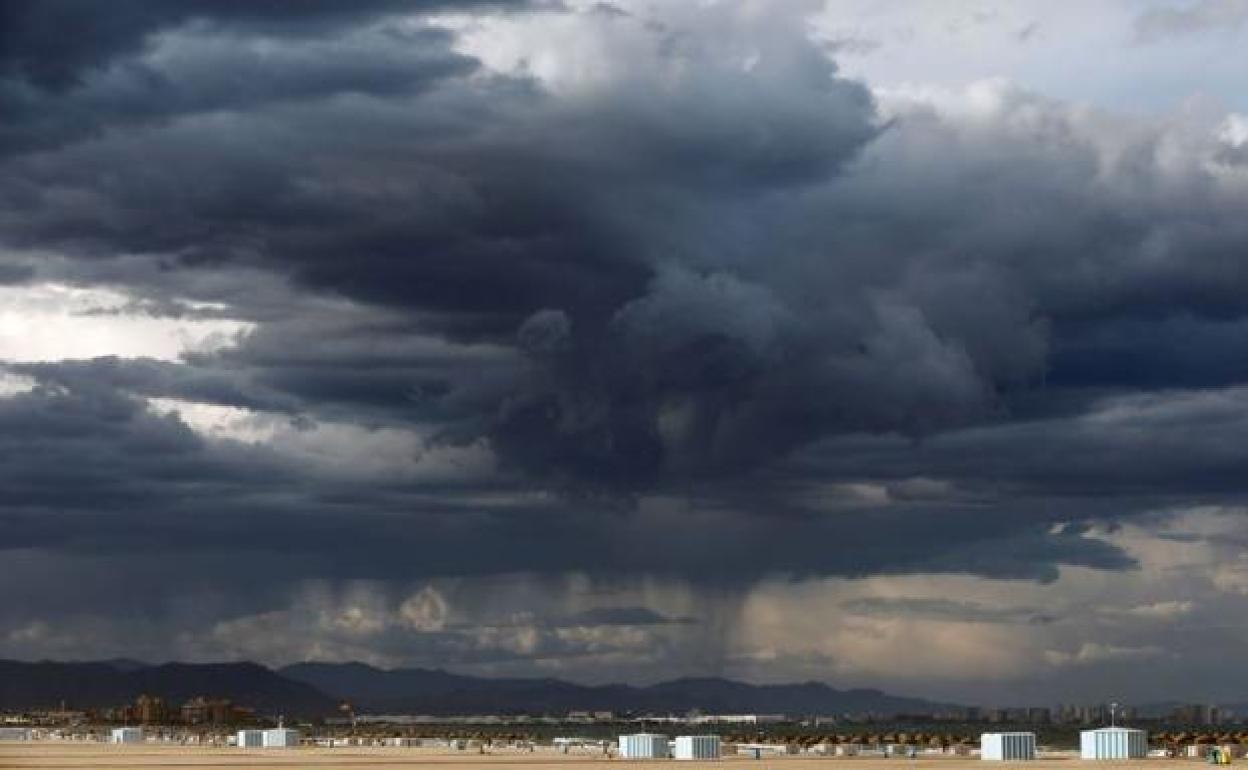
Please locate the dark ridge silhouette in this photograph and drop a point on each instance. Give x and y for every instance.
(85, 685)
(428, 691)
(316, 689)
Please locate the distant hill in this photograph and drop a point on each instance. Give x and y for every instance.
(426, 691)
(47, 684)
(312, 689)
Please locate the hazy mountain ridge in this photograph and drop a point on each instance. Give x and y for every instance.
(311, 689)
(82, 685)
(439, 692)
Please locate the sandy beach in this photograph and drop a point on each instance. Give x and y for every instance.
(68, 755)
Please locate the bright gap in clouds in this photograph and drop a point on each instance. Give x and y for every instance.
(57, 322)
(339, 449)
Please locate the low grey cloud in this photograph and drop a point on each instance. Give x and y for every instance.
(1159, 24)
(948, 609)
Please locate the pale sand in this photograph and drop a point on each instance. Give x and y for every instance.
(70, 755)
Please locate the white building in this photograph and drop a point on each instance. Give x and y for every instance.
(281, 738)
(735, 719)
(250, 739)
(644, 746)
(1113, 743)
(14, 734)
(126, 735)
(768, 749)
(1007, 746)
(697, 747)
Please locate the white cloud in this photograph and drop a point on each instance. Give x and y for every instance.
(337, 448)
(1094, 652)
(55, 322)
(1232, 577)
(425, 610)
(14, 384)
(1168, 610)
(1234, 130)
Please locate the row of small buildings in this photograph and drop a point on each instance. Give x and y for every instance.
(277, 738)
(658, 746)
(1102, 743)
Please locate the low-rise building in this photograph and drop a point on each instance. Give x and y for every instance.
(126, 735)
(1007, 746)
(644, 746)
(1113, 743)
(697, 747)
(281, 738)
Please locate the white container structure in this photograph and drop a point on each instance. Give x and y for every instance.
(697, 747)
(14, 734)
(126, 735)
(644, 746)
(281, 738)
(250, 739)
(1113, 743)
(1007, 746)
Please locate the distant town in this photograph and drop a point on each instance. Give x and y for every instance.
(210, 711)
(244, 704)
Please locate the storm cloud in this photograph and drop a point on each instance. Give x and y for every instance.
(657, 305)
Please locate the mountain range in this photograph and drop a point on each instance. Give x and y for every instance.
(100, 684)
(311, 689)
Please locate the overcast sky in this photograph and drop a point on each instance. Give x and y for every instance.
(894, 344)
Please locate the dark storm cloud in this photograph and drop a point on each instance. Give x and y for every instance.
(83, 455)
(15, 274)
(95, 473)
(720, 303)
(150, 378)
(1118, 454)
(53, 44)
(226, 75)
(1172, 351)
(620, 616)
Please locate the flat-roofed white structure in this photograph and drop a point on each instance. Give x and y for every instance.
(697, 747)
(1007, 746)
(14, 734)
(644, 746)
(281, 738)
(770, 749)
(738, 719)
(250, 739)
(126, 735)
(1113, 743)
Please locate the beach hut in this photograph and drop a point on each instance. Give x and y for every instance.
(1113, 743)
(280, 738)
(1007, 746)
(126, 735)
(644, 746)
(250, 739)
(697, 747)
